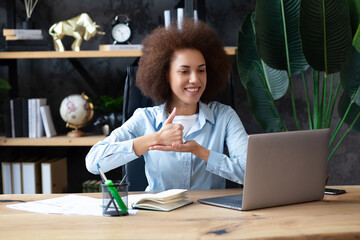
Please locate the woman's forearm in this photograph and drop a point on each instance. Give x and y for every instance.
(201, 152)
(141, 144)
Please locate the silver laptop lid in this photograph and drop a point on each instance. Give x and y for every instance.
(285, 168)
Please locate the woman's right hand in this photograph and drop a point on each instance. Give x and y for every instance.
(170, 133)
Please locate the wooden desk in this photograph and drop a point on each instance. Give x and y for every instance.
(335, 217)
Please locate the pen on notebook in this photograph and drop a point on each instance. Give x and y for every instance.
(113, 190)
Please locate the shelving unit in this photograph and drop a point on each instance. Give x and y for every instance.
(63, 140)
(81, 144)
(68, 54)
(81, 54)
(58, 141)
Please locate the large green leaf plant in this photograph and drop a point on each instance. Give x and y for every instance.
(285, 38)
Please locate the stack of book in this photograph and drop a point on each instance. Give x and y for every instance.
(26, 40)
(28, 118)
(22, 34)
(119, 47)
(91, 186)
(34, 175)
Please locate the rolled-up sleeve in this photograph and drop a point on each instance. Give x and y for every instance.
(231, 166)
(117, 149)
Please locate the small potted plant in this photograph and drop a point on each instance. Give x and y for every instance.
(4, 87)
(110, 110)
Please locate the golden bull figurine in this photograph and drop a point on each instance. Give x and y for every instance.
(80, 27)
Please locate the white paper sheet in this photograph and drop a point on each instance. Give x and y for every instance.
(67, 205)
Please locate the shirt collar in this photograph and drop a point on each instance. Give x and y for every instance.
(205, 114)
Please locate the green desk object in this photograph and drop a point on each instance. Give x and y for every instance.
(112, 189)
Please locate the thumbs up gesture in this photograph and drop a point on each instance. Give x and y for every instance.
(170, 139)
(171, 133)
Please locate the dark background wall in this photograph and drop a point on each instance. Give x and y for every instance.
(57, 78)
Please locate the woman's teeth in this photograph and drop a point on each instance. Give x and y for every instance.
(192, 89)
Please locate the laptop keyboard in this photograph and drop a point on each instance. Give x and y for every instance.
(233, 201)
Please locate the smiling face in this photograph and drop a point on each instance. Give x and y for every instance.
(187, 79)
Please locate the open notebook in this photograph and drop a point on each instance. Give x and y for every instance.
(282, 168)
(162, 201)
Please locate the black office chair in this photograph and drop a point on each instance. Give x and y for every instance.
(133, 99)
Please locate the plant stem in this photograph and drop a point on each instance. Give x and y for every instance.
(316, 99)
(311, 126)
(325, 64)
(330, 100)
(324, 40)
(262, 70)
(340, 123)
(288, 66)
(343, 137)
(323, 101)
(333, 104)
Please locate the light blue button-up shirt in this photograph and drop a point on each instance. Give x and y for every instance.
(218, 125)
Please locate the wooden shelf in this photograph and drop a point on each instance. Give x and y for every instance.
(81, 54)
(68, 54)
(54, 141)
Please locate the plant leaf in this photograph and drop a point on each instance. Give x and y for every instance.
(261, 102)
(325, 34)
(356, 40)
(354, 8)
(350, 75)
(4, 86)
(246, 51)
(277, 80)
(354, 110)
(271, 40)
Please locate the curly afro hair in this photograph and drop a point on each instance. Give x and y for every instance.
(159, 47)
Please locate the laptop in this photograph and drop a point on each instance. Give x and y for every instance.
(281, 168)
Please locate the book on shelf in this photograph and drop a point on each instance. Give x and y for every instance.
(23, 118)
(6, 177)
(16, 177)
(7, 118)
(91, 186)
(12, 118)
(34, 175)
(35, 123)
(9, 32)
(180, 17)
(54, 176)
(32, 118)
(163, 201)
(47, 120)
(23, 37)
(29, 45)
(40, 130)
(119, 47)
(31, 175)
(22, 34)
(16, 117)
(167, 18)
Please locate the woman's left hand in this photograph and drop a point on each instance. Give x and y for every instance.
(188, 146)
(176, 147)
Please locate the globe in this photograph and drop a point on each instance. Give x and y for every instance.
(76, 111)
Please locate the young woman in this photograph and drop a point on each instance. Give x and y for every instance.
(182, 139)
